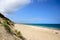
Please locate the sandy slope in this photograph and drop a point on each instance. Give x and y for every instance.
(38, 33)
(4, 35)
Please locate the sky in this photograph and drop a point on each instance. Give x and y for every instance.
(35, 11)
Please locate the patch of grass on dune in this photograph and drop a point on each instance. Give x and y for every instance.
(16, 33)
(8, 29)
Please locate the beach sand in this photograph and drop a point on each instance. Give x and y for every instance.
(38, 33)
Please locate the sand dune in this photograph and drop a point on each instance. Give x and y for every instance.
(38, 33)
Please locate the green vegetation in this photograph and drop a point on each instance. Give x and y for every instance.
(18, 33)
(8, 25)
(5, 19)
(8, 29)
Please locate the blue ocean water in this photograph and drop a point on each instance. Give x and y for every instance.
(56, 26)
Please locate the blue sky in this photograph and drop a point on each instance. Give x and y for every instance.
(38, 11)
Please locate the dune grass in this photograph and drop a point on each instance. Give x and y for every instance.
(16, 33)
(8, 29)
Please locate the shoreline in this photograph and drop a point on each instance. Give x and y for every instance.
(55, 28)
(40, 27)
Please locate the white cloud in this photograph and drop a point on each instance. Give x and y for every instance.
(7, 6)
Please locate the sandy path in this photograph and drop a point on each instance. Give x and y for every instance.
(37, 33)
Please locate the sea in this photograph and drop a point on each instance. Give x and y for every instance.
(55, 26)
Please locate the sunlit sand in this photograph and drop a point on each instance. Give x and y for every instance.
(38, 33)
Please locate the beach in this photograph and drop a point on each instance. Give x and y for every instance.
(37, 33)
